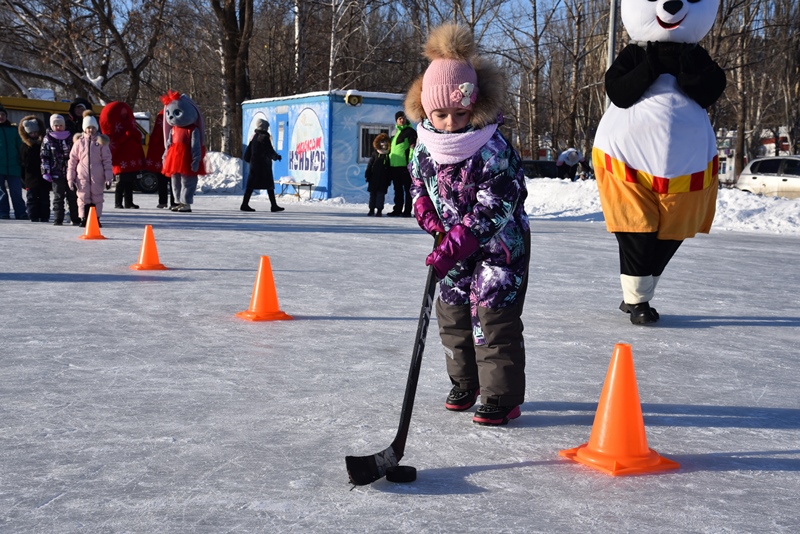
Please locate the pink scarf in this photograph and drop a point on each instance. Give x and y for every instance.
(448, 148)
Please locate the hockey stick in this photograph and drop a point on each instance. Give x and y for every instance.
(364, 470)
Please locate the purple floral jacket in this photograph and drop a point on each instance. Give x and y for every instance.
(486, 193)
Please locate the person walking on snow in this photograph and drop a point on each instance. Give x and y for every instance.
(260, 154)
(468, 184)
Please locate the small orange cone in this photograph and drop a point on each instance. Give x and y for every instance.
(148, 257)
(264, 302)
(618, 444)
(92, 226)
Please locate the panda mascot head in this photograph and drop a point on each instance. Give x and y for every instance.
(676, 21)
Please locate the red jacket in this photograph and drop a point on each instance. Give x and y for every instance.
(117, 121)
(155, 148)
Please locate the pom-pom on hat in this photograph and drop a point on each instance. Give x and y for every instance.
(89, 120)
(57, 119)
(450, 80)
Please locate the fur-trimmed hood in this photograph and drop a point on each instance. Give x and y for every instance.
(491, 83)
(381, 138)
(102, 139)
(26, 138)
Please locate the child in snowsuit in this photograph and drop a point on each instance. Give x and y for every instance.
(38, 189)
(56, 146)
(89, 167)
(468, 184)
(378, 174)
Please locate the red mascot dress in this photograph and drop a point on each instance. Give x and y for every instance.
(127, 155)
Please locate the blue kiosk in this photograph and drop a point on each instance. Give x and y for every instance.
(324, 138)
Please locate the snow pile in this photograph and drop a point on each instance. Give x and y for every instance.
(551, 198)
(225, 174)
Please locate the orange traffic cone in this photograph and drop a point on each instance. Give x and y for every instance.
(92, 226)
(618, 445)
(148, 257)
(264, 302)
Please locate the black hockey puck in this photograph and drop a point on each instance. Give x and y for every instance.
(401, 473)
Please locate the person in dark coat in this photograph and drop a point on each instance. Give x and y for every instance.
(153, 163)
(260, 155)
(75, 118)
(378, 174)
(38, 189)
(10, 171)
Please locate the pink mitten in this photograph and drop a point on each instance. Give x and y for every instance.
(458, 243)
(426, 215)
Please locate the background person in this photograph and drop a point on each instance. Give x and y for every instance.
(37, 188)
(10, 171)
(90, 167)
(153, 162)
(75, 115)
(378, 175)
(56, 146)
(127, 154)
(568, 161)
(402, 143)
(260, 154)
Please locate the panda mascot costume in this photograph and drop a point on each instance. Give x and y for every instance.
(655, 153)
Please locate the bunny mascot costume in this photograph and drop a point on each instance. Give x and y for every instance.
(184, 145)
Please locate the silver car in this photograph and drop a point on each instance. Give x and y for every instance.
(774, 176)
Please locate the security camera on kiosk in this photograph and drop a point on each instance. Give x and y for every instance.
(352, 98)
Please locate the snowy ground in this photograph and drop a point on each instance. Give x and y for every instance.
(136, 401)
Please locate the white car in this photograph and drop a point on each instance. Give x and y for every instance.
(774, 176)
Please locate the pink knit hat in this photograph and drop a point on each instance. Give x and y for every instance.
(449, 83)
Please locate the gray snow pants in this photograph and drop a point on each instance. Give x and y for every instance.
(498, 367)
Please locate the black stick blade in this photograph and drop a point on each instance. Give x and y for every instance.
(364, 470)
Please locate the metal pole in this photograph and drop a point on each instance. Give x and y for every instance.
(612, 39)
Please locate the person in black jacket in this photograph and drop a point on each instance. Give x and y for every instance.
(260, 155)
(378, 174)
(38, 189)
(75, 118)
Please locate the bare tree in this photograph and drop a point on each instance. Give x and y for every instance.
(95, 48)
(235, 19)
